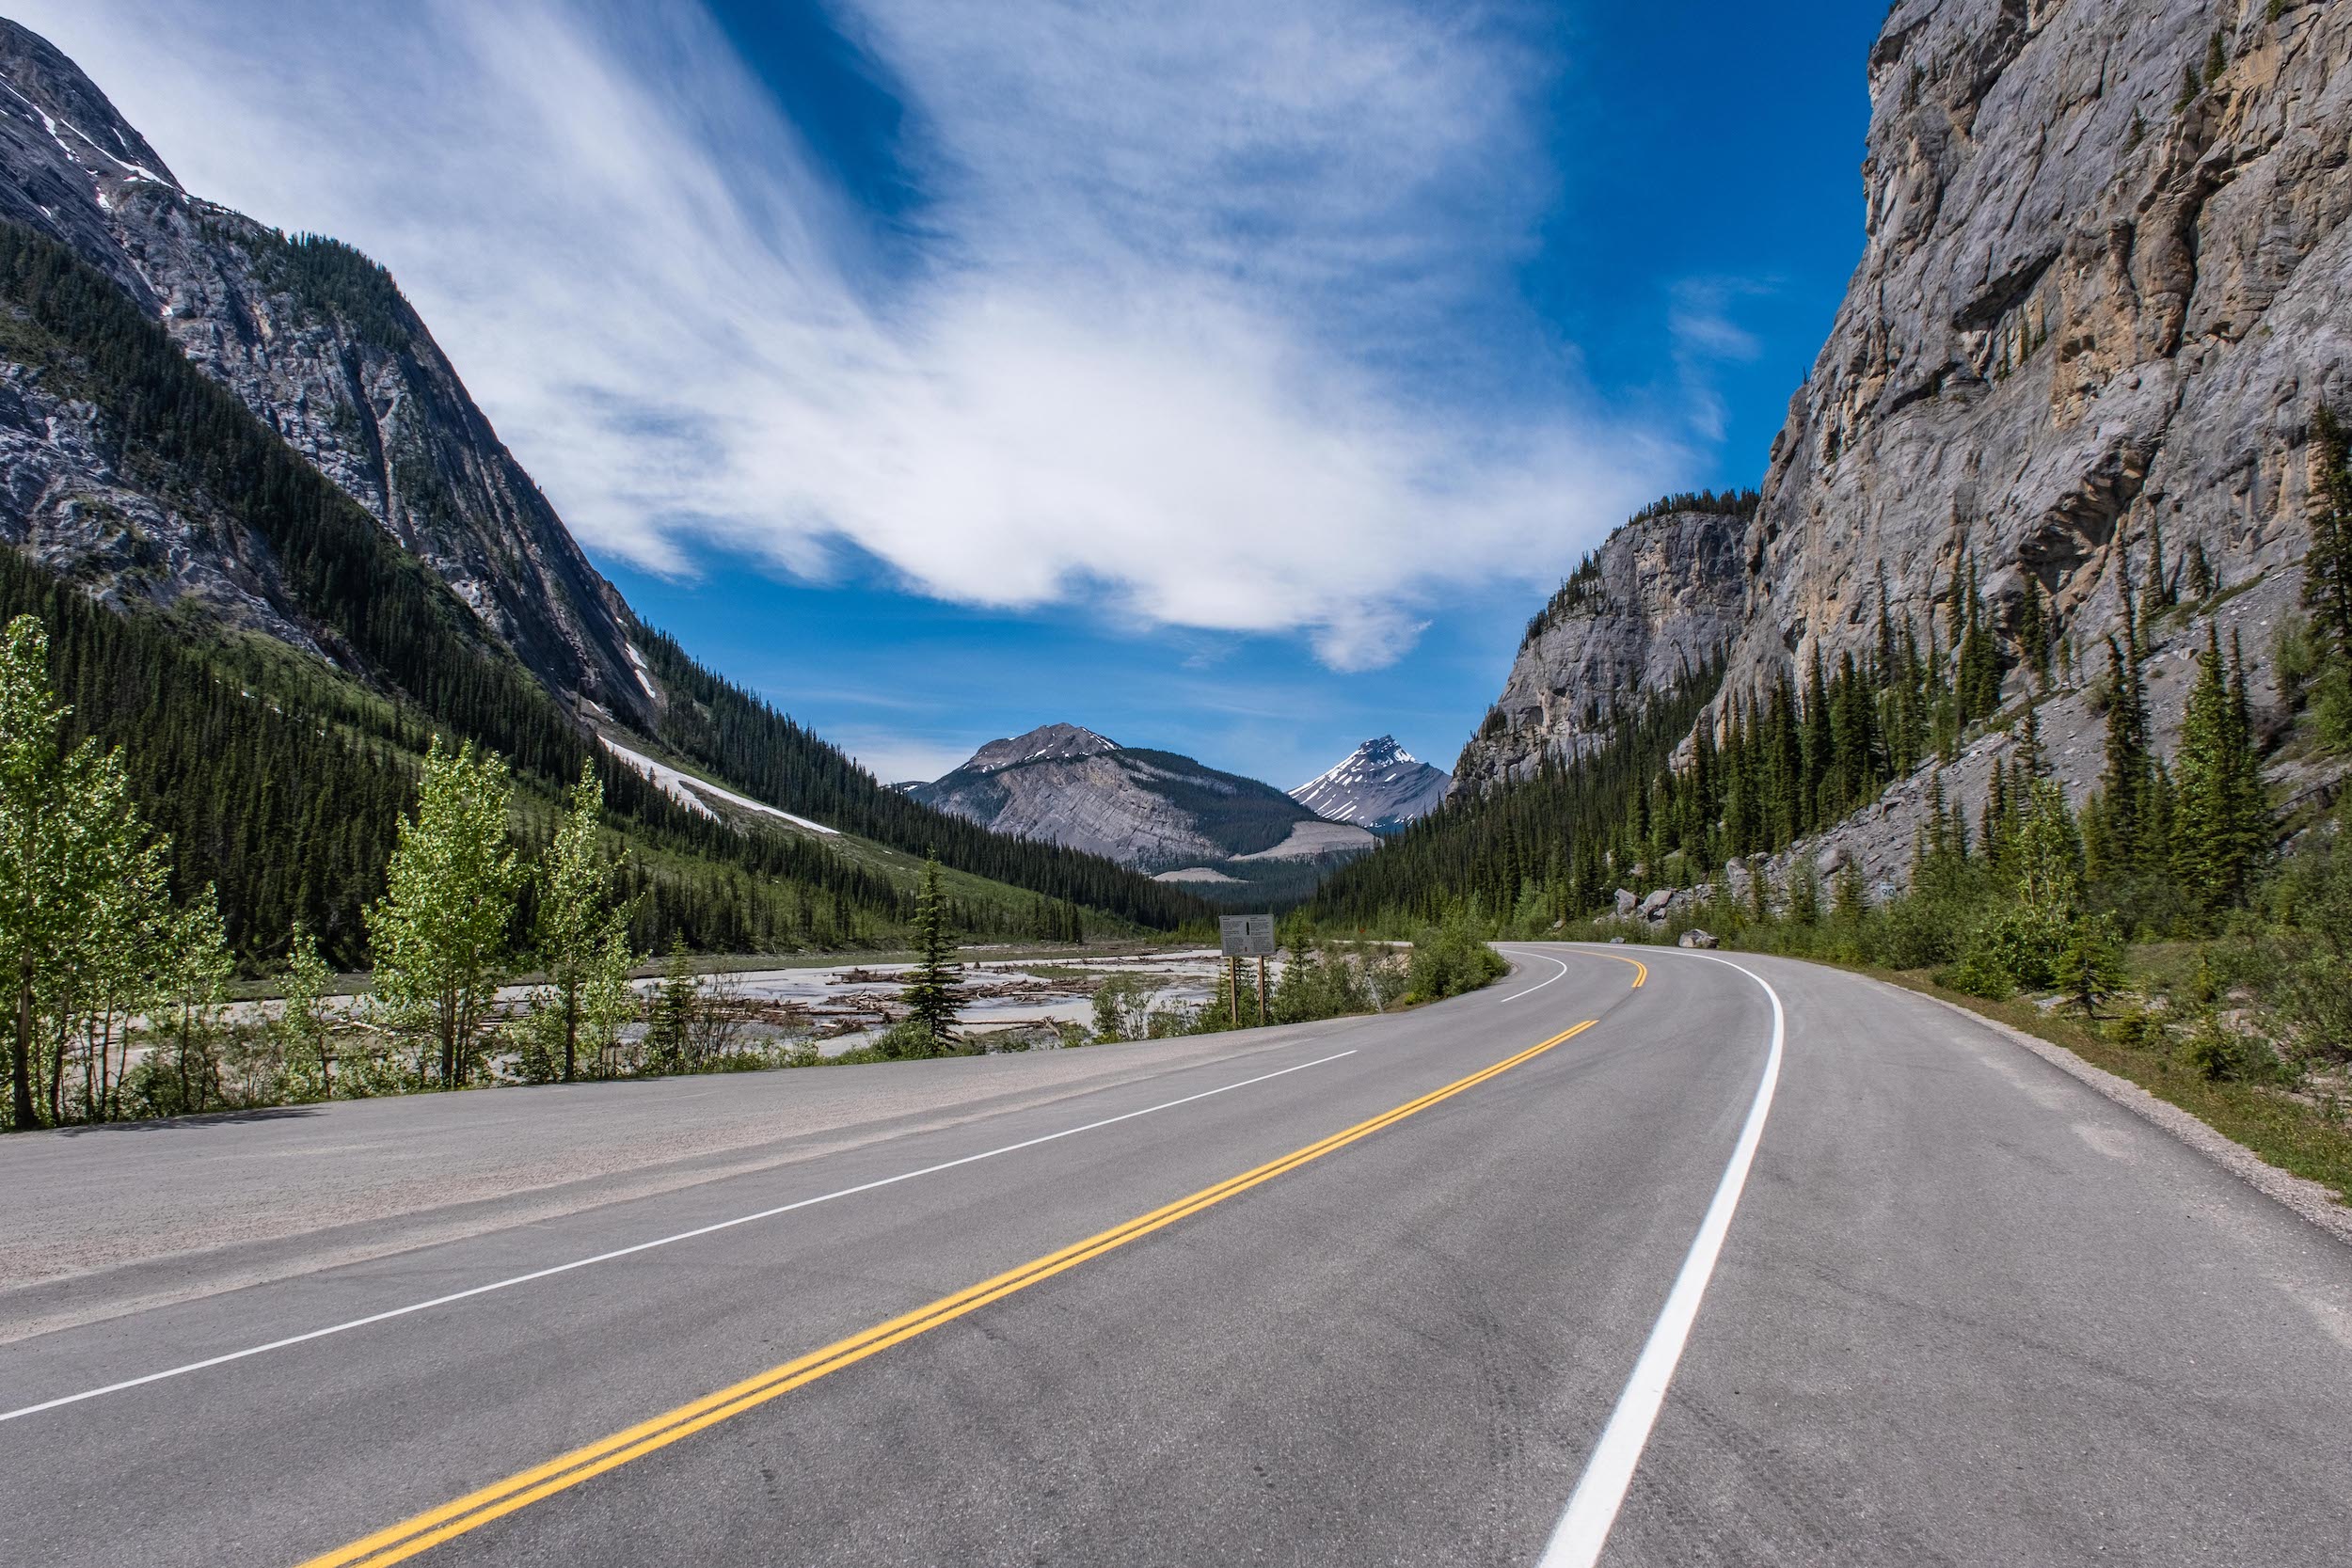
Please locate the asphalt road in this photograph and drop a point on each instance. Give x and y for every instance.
(1356, 1293)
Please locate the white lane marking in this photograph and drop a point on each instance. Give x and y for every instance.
(648, 1246)
(1540, 984)
(1583, 1527)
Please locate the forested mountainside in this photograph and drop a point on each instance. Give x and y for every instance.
(320, 346)
(240, 567)
(1149, 808)
(2072, 396)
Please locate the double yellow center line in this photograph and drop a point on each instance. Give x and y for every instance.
(400, 1542)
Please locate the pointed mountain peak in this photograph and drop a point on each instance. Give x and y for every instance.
(42, 87)
(1380, 786)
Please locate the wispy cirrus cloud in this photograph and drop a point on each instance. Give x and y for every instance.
(1205, 320)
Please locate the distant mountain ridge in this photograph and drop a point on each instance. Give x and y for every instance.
(1156, 811)
(1380, 786)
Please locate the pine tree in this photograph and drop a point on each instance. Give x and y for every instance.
(2327, 566)
(934, 991)
(2128, 785)
(2033, 631)
(669, 1021)
(440, 930)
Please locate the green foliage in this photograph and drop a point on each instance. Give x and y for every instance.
(2328, 565)
(2088, 966)
(581, 937)
(910, 1039)
(670, 1019)
(304, 1026)
(2222, 828)
(1452, 957)
(2296, 955)
(85, 928)
(441, 931)
(934, 989)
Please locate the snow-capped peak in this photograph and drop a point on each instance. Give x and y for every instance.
(1380, 786)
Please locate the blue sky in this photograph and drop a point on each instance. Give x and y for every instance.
(1234, 378)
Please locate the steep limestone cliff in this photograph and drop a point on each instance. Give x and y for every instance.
(2103, 291)
(1663, 597)
(318, 343)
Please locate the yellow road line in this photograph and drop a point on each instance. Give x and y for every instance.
(1640, 969)
(400, 1542)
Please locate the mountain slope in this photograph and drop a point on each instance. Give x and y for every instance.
(1380, 786)
(1152, 810)
(2101, 297)
(319, 344)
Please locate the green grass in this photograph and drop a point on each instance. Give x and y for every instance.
(2305, 1139)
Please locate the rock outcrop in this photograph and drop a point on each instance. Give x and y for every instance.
(317, 342)
(2103, 289)
(1663, 597)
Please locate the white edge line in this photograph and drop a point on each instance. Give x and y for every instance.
(1540, 984)
(644, 1247)
(1584, 1524)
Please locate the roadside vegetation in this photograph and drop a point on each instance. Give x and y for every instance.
(1321, 977)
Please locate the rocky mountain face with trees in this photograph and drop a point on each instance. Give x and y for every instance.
(318, 343)
(2099, 306)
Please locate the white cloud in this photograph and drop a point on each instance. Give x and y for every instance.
(1191, 277)
(1699, 324)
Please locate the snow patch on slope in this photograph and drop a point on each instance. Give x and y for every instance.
(690, 791)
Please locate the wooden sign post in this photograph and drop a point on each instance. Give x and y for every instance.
(1245, 936)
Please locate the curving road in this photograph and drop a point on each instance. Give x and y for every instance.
(1756, 1262)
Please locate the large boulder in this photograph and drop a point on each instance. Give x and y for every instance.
(1625, 902)
(1654, 907)
(1695, 938)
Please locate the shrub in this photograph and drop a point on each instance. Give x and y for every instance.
(2016, 948)
(1450, 959)
(2221, 1057)
(908, 1042)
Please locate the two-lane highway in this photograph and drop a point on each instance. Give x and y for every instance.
(1780, 1265)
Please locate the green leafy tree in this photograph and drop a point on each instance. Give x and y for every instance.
(193, 995)
(934, 991)
(582, 936)
(440, 930)
(305, 1026)
(79, 883)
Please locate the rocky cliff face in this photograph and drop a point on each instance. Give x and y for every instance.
(2103, 290)
(318, 343)
(1661, 600)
